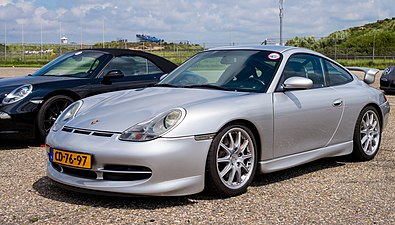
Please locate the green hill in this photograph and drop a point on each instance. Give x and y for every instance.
(380, 34)
(369, 43)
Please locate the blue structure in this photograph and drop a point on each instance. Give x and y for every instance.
(147, 38)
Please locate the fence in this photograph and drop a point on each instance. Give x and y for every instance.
(37, 54)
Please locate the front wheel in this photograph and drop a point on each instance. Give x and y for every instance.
(367, 134)
(49, 112)
(231, 161)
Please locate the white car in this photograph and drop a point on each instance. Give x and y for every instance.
(215, 121)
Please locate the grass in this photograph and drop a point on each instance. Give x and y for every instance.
(178, 57)
(378, 63)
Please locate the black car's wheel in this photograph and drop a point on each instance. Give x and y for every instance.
(48, 113)
(367, 134)
(231, 161)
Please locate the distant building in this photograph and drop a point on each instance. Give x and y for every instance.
(63, 40)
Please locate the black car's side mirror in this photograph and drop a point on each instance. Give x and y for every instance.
(112, 74)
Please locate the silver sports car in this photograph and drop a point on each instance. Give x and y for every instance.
(224, 115)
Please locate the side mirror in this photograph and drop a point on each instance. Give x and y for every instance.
(297, 83)
(114, 74)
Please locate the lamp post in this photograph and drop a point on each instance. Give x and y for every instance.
(281, 7)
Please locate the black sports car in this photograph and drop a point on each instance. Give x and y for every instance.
(387, 80)
(30, 105)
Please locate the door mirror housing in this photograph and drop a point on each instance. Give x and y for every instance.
(297, 83)
(114, 74)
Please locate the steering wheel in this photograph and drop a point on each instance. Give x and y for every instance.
(258, 81)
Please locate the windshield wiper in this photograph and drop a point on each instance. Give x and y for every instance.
(165, 85)
(209, 86)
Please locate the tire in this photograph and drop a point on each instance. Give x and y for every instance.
(367, 134)
(230, 168)
(48, 113)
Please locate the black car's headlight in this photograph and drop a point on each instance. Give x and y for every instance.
(387, 71)
(68, 114)
(155, 127)
(18, 94)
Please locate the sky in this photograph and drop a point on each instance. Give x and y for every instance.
(207, 22)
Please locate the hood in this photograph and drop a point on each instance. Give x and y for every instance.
(123, 109)
(8, 84)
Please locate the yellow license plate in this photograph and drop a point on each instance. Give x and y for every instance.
(74, 159)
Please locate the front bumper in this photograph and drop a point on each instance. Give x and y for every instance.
(16, 126)
(177, 165)
(387, 84)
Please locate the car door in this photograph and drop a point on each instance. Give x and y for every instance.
(305, 119)
(138, 72)
(338, 79)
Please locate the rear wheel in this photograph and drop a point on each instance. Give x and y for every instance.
(367, 134)
(49, 112)
(231, 161)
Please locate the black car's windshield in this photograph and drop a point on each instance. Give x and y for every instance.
(74, 64)
(233, 70)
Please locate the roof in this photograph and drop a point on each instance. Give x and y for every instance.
(161, 62)
(273, 48)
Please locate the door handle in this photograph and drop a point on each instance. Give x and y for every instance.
(337, 103)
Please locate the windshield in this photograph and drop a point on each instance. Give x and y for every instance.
(233, 70)
(74, 64)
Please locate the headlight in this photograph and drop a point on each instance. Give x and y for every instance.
(154, 128)
(387, 71)
(18, 94)
(66, 115)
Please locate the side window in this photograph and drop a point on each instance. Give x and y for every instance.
(132, 66)
(336, 74)
(145, 66)
(304, 65)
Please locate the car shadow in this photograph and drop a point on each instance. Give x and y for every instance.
(48, 189)
(9, 144)
(282, 175)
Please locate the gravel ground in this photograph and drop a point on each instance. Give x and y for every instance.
(14, 72)
(328, 191)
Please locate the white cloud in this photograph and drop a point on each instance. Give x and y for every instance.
(4, 2)
(216, 21)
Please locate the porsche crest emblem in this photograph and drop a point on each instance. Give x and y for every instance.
(94, 122)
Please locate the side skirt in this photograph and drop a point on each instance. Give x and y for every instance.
(305, 157)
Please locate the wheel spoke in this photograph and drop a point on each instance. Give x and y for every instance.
(232, 142)
(363, 140)
(238, 141)
(224, 159)
(238, 174)
(244, 167)
(371, 118)
(225, 170)
(245, 157)
(232, 175)
(244, 146)
(228, 150)
(366, 146)
(374, 124)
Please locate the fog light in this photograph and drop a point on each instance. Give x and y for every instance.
(4, 116)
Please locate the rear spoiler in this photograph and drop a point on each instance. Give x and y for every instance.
(369, 73)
